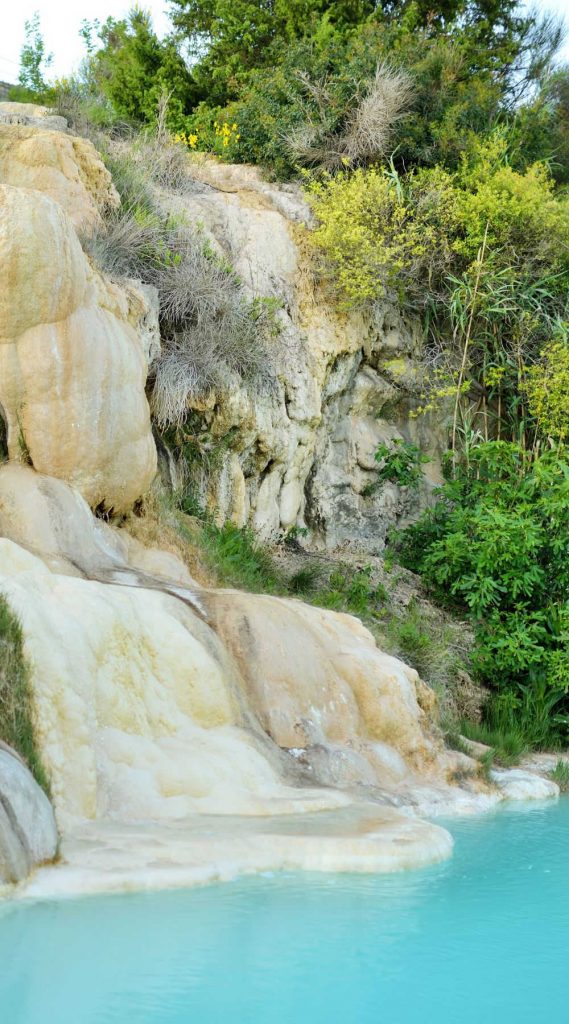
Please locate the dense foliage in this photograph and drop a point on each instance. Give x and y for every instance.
(482, 253)
(496, 545)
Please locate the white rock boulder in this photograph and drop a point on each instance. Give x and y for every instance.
(28, 834)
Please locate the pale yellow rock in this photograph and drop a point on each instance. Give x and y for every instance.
(28, 835)
(31, 114)
(65, 168)
(72, 365)
(317, 678)
(138, 713)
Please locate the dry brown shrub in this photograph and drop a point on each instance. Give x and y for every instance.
(367, 130)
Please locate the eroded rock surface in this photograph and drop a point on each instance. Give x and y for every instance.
(28, 834)
(31, 114)
(66, 168)
(303, 454)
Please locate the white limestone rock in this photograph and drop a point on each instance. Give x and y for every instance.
(28, 834)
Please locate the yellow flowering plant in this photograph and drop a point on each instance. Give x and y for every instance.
(221, 138)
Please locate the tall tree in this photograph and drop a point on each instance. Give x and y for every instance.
(133, 68)
(33, 58)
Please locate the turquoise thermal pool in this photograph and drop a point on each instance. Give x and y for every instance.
(483, 937)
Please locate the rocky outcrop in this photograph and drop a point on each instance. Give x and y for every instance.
(302, 455)
(31, 114)
(67, 169)
(321, 688)
(153, 678)
(72, 362)
(28, 834)
(155, 700)
(162, 709)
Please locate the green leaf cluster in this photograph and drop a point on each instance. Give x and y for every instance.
(496, 545)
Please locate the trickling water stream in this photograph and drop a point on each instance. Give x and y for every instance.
(482, 937)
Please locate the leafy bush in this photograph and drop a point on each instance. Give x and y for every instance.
(482, 253)
(547, 387)
(133, 69)
(496, 545)
(16, 700)
(401, 463)
(378, 233)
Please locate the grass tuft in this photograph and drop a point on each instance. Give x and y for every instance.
(16, 702)
(560, 775)
(508, 746)
(214, 336)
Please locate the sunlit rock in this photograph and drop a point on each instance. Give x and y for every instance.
(72, 364)
(65, 168)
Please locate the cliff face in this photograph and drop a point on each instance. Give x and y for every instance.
(297, 454)
(303, 454)
(155, 699)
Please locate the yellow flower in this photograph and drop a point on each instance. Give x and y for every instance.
(193, 141)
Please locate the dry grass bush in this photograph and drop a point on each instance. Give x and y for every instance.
(212, 355)
(213, 335)
(128, 246)
(367, 128)
(164, 162)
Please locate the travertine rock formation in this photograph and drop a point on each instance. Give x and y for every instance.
(155, 700)
(303, 454)
(67, 169)
(31, 114)
(28, 834)
(72, 363)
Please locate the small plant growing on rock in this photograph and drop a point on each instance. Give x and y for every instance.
(401, 463)
(16, 711)
(560, 775)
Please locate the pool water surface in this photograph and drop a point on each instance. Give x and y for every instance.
(482, 938)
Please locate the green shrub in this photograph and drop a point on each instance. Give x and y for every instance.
(129, 66)
(16, 699)
(401, 463)
(546, 385)
(496, 545)
(481, 253)
(294, 102)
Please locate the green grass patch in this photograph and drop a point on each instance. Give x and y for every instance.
(560, 775)
(16, 710)
(508, 746)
